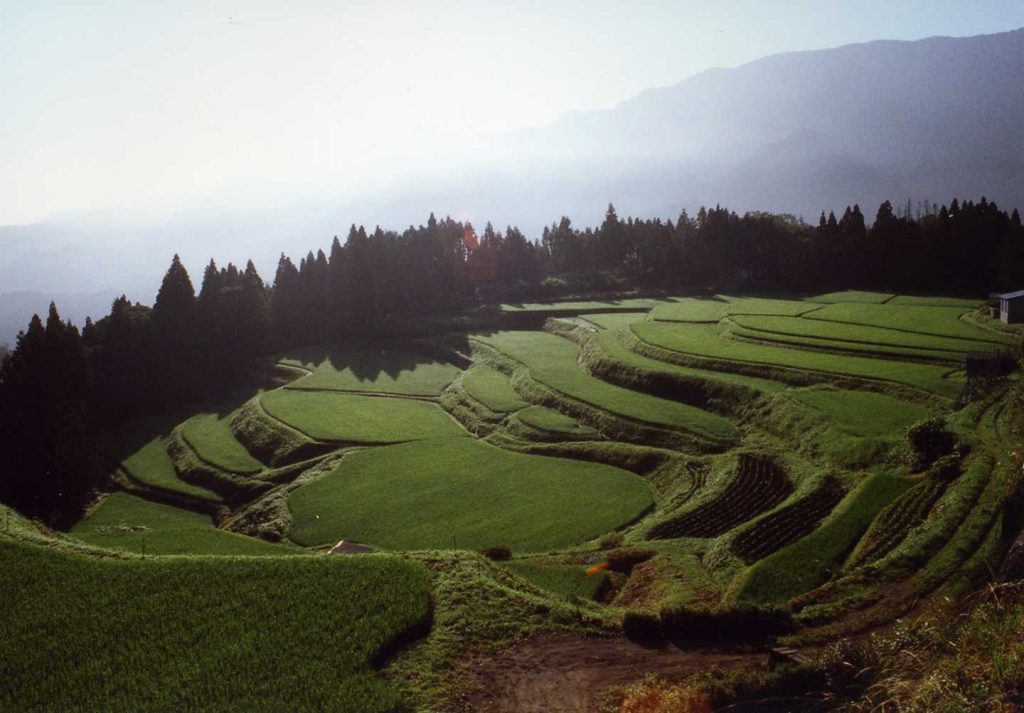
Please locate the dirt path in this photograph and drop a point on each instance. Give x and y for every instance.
(566, 674)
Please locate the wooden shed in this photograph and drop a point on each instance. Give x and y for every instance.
(1011, 307)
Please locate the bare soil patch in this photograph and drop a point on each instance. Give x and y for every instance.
(567, 674)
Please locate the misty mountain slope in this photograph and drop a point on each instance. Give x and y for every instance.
(925, 119)
(799, 132)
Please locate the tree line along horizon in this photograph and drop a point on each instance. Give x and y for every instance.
(60, 387)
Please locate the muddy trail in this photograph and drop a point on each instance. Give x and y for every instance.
(566, 674)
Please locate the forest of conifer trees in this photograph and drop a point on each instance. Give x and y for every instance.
(58, 387)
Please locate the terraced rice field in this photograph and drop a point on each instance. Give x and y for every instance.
(943, 322)
(460, 492)
(578, 307)
(863, 413)
(126, 522)
(492, 389)
(373, 370)
(816, 332)
(788, 524)
(809, 561)
(544, 419)
(710, 341)
(759, 485)
(151, 465)
(210, 436)
(723, 450)
(201, 633)
(350, 418)
(713, 309)
(566, 580)
(552, 361)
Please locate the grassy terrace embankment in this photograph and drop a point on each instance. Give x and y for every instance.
(201, 633)
(552, 361)
(378, 370)
(460, 492)
(712, 341)
(351, 418)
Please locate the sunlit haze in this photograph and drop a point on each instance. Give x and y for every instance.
(147, 107)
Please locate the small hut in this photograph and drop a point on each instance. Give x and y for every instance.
(1011, 307)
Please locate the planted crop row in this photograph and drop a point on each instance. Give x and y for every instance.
(894, 522)
(760, 484)
(789, 524)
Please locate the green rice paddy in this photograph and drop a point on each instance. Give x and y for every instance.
(374, 370)
(352, 418)
(464, 493)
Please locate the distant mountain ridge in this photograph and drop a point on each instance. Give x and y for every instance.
(799, 132)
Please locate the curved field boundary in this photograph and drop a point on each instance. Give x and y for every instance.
(788, 524)
(674, 416)
(165, 496)
(606, 358)
(270, 440)
(612, 424)
(790, 334)
(894, 522)
(795, 375)
(882, 319)
(759, 485)
(950, 360)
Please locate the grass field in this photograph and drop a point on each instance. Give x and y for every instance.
(713, 309)
(810, 561)
(492, 389)
(861, 413)
(709, 341)
(125, 522)
(846, 336)
(211, 438)
(936, 301)
(83, 633)
(552, 361)
(608, 341)
(151, 465)
(562, 579)
(853, 296)
(546, 419)
(353, 418)
(938, 321)
(385, 371)
(636, 304)
(459, 492)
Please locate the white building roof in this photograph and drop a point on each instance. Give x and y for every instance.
(1011, 295)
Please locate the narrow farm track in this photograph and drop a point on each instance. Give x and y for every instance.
(568, 674)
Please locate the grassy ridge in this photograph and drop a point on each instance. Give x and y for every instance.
(126, 522)
(707, 340)
(809, 562)
(329, 416)
(713, 309)
(210, 436)
(846, 336)
(214, 634)
(552, 361)
(547, 420)
(608, 341)
(562, 579)
(938, 321)
(420, 495)
(641, 303)
(861, 413)
(386, 371)
(492, 389)
(151, 465)
(856, 296)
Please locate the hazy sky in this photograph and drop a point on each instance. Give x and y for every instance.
(144, 104)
